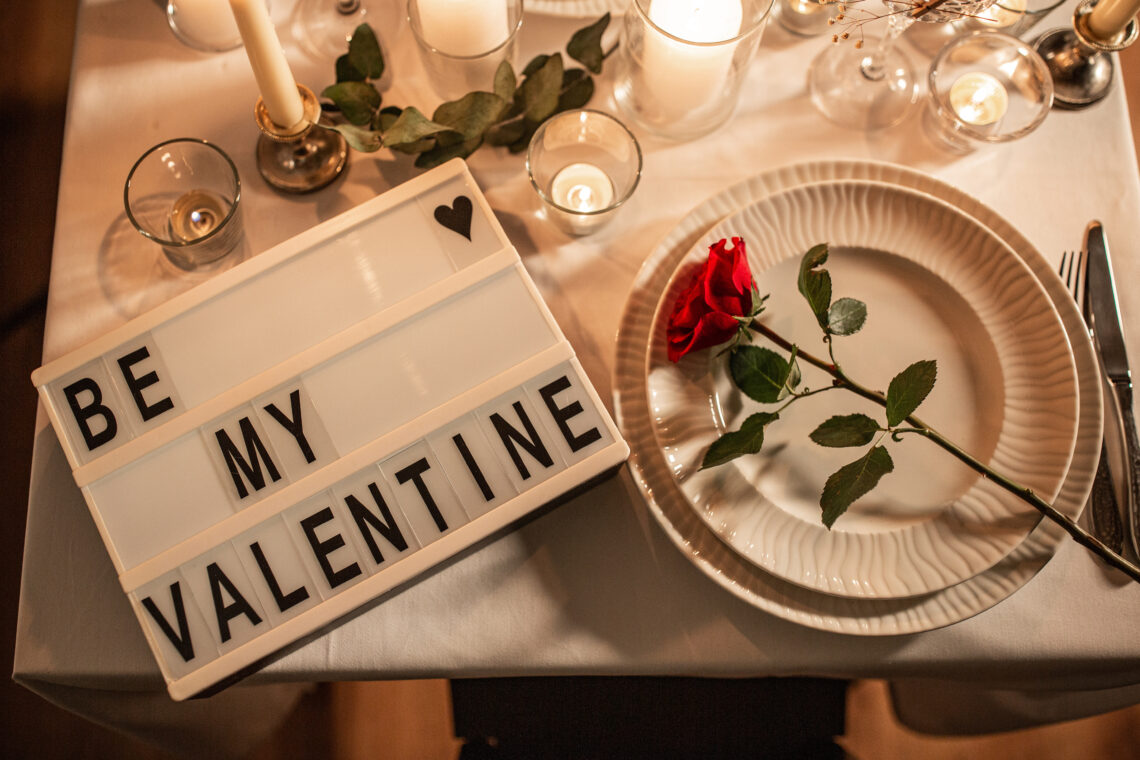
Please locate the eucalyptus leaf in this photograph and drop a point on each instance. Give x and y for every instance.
(387, 117)
(910, 388)
(535, 64)
(472, 114)
(507, 132)
(852, 481)
(346, 72)
(364, 52)
(505, 82)
(815, 284)
(358, 101)
(845, 430)
(585, 46)
(521, 144)
(411, 127)
(761, 373)
(359, 138)
(846, 316)
(541, 89)
(577, 89)
(748, 440)
(441, 154)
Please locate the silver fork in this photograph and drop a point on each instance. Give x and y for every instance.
(1106, 522)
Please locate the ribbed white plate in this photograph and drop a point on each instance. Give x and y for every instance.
(939, 285)
(745, 579)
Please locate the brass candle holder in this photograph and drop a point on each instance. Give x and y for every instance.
(302, 158)
(1078, 59)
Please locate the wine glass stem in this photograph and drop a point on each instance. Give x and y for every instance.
(872, 65)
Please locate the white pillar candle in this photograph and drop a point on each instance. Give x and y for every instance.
(682, 77)
(583, 188)
(270, 69)
(1008, 13)
(208, 22)
(978, 98)
(464, 28)
(1109, 17)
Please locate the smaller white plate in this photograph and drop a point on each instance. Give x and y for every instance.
(939, 286)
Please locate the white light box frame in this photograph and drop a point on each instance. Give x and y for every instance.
(319, 425)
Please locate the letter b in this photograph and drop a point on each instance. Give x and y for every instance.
(95, 408)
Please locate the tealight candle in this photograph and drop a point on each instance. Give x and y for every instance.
(978, 98)
(806, 17)
(1004, 13)
(270, 68)
(582, 187)
(685, 77)
(464, 28)
(1110, 17)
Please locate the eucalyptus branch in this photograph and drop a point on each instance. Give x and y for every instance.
(1079, 534)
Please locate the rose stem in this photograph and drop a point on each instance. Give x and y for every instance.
(1079, 534)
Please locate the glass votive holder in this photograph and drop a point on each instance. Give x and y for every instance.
(583, 164)
(203, 24)
(462, 42)
(185, 194)
(986, 87)
(682, 62)
(807, 18)
(1012, 17)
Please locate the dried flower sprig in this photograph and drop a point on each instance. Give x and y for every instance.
(851, 16)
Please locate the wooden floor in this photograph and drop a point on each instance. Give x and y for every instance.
(350, 721)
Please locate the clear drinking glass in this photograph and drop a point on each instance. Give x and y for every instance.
(874, 87)
(986, 87)
(185, 194)
(203, 24)
(462, 42)
(1012, 17)
(806, 18)
(583, 164)
(681, 62)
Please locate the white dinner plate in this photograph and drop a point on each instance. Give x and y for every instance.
(939, 285)
(745, 579)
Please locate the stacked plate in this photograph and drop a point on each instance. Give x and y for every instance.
(944, 278)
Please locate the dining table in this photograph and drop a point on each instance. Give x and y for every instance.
(600, 585)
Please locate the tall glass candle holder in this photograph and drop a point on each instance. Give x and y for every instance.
(462, 42)
(583, 164)
(682, 62)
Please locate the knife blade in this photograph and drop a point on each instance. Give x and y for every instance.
(1108, 334)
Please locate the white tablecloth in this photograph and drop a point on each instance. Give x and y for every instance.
(594, 587)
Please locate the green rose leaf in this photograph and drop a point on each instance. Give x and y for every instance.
(364, 52)
(358, 101)
(577, 89)
(442, 153)
(505, 82)
(846, 316)
(762, 374)
(845, 430)
(411, 127)
(852, 481)
(346, 72)
(585, 46)
(361, 139)
(815, 286)
(748, 440)
(541, 89)
(472, 114)
(908, 389)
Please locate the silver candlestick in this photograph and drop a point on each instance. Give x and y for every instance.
(1078, 59)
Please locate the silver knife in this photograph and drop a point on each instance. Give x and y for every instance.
(1102, 305)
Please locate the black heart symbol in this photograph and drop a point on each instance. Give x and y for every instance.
(457, 216)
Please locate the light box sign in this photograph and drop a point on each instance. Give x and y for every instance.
(268, 452)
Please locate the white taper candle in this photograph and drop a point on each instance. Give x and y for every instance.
(270, 69)
(1109, 17)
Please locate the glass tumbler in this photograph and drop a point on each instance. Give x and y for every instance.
(985, 88)
(462, 42)
(185, 194)
(203, 24)
(681, 62)
(583, 164)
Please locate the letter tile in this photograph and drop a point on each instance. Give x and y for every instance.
(275, 568)
(459, 223)
(295, 430)
(567, 411)
(514, 426)
(325, 540)
(423, 491)
(226, 597)
(91, 411)
(472, 466)
(244, 456)
(178, 634)
(150, 397)
(380, 528)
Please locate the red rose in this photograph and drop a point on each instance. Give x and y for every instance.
(706, 313)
